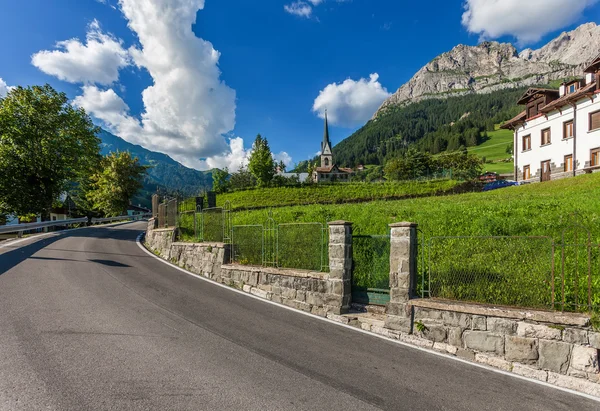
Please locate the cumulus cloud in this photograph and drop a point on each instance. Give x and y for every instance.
(187, 110)
(351, 103)
(238, 157)
(97, 61)
(4, 88)
(527, 21)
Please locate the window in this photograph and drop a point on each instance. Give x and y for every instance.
(595, 157)
(526, 173)
(571, 89)
(568, 129)
(527, 142)
(595, 120)
(531, 111)
(326, 162)
(545, 136)
(568, 163)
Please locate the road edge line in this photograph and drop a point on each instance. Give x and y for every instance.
(360, 330)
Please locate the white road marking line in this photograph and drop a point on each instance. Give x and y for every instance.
(360, 330)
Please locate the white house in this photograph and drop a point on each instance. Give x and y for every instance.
(558, 134)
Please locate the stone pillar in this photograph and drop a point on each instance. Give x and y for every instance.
(403, 274)
(340, 266)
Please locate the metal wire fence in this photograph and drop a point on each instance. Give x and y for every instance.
(371, 269)
(247, 244)
(212, 225)
(301, 245)
(515, 271)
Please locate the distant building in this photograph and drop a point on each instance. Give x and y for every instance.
(329, 171)
(558, 133)
(134, 210)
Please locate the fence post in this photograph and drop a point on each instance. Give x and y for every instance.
(340, 264)
(403, 275)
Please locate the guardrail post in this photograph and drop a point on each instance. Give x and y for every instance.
(403, 274)
(340, 264)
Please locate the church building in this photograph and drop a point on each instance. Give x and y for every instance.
(329, 171)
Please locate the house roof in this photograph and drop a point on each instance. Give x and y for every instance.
(568, 98)
(333, 169)
(518, 119)
(593, 66)
(536, 90)
(138, 208)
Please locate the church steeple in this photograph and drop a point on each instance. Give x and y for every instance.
(326, 153)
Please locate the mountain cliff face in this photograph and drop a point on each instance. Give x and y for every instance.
(492, 66)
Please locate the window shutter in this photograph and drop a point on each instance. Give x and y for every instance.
(595, 120)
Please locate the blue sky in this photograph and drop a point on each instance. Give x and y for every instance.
(259, 66)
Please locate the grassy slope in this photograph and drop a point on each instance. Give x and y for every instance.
(535, 209)
(495, 150)
(333, 194)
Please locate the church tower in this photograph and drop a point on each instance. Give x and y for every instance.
(326, 153)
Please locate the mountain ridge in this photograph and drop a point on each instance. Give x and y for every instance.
(492, 66)
(164, 173)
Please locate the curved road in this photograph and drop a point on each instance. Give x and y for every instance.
(90, 321)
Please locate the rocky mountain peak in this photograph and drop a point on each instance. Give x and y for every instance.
(491, 66)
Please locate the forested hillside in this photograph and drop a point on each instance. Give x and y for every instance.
(432, 125)
(164, 173)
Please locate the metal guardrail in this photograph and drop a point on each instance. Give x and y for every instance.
(120, 218)
(21, 228)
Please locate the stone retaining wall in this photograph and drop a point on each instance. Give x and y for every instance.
(315, 292)
(561, 352)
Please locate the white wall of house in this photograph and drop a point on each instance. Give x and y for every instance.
(559, 147)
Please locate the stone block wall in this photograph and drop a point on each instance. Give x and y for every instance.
(319, 293)
(205, 259)
(563, 352)
(159, 240)
(313, 292)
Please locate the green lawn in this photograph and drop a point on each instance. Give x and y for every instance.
(533, 209)
(509, 271)
(494, 150)
(334, 193)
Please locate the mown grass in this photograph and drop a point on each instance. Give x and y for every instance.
(334, 193)
(534, 209)
(494, 150)
(530, 210)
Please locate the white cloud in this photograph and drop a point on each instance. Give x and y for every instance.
(305, 8)
(351, 103)
(97, 61)
(283, 156)
(187, 109)
(237, 156)
(4, 88)
(299, 8)
(527, 20)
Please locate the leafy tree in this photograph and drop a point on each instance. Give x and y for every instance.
(220, 182)
(281, 166)
(464, 166)
(310, 170)
(242, 180)
(45, 145)
(118, 180)
(261, 163)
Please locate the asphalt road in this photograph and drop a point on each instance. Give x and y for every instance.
(89, 321)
